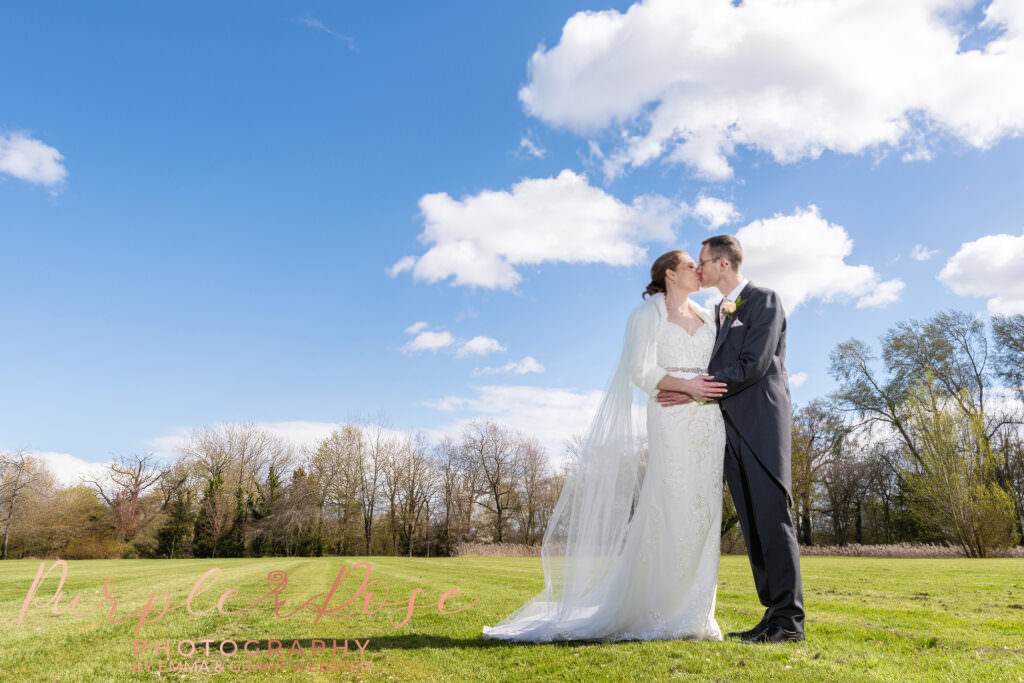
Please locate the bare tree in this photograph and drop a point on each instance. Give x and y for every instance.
(469, 487)
(874, 397)
(371, 463)
(129, 479)
(447, 466)
(326, 468)
(818, 433)
(417, 482)
(532, 491)
(391, 473)
(495, 452)
(219, 517)
(348, 447)
(241, 454)
(845, 478)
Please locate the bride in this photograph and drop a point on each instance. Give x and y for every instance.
(631, 550)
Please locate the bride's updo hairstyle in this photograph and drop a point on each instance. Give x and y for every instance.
(667, 261)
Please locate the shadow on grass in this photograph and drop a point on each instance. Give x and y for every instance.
(329, 645)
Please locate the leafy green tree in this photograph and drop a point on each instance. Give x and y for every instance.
(174, 538)
(268, 502)
(957, 490)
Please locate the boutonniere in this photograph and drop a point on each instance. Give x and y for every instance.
(732, 306)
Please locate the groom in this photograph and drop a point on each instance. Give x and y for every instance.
(749, 356)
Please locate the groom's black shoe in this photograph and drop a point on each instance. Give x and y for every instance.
(751, 633)
(776, 634)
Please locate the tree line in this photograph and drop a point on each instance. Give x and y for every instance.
(241, 491)
(920, 442)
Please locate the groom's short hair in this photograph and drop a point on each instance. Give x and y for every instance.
(727, 246)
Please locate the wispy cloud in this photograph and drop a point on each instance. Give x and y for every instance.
(416, 328)
(530, 147)
(313, 22)
(922, 253)
(527, 364)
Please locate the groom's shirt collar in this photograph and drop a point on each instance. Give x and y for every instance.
(731, 296)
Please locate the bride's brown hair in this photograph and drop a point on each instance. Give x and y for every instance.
(667, 261)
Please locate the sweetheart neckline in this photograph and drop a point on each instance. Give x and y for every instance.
(689, 304)
(690, 334)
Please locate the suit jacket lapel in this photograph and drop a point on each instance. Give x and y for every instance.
(722, 333)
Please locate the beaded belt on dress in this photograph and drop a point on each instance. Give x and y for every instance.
(702, 371)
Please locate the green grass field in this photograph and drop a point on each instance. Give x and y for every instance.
(868, 619)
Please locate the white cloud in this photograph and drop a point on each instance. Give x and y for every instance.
(553, 416)
(922, 253)
(531, 147)
(168, 446)
(429, 341)
(990, 267)
(527, 364)
(802, 256)
(797, 378)
(691, 82)
(417, 327)
(480, 239)
(715, 212)
(31, 160)
(403, 264)
(884, 294)
(69, 469)
(479, 346)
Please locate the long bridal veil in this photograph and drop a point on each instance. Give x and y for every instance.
(587, 529)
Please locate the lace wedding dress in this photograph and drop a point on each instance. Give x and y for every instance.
(663, 583)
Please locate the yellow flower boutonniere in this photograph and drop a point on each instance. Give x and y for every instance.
(732, 306)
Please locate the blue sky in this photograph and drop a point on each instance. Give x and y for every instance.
(202, 208)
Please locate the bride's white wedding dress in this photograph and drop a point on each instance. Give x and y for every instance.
(663, 583)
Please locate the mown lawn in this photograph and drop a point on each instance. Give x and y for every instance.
(868, 619)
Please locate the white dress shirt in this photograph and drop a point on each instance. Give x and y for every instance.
(731, 296)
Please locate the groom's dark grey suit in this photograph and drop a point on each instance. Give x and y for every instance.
(749, 356)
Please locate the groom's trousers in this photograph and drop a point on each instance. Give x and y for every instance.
(768, 532)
